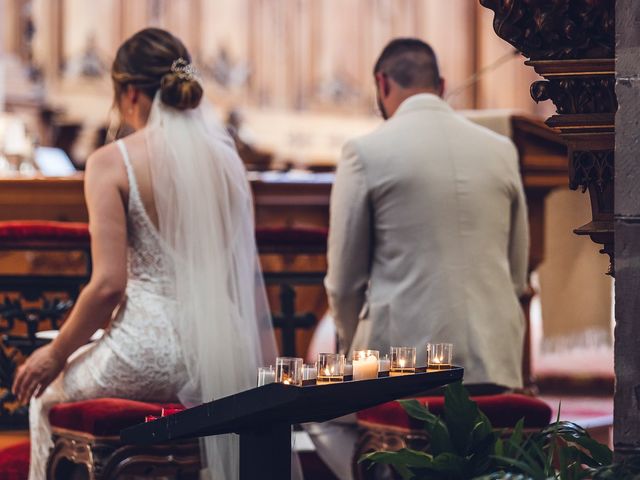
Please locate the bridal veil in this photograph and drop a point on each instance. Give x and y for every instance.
(205, 214)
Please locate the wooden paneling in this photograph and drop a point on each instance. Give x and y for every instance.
(299, 54)
(42, 199)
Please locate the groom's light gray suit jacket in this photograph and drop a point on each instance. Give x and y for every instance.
(429, 241)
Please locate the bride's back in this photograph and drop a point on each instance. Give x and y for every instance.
(139, 157)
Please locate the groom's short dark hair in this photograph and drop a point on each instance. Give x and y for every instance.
(410, 62)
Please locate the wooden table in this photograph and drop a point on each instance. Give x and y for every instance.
(263, 416)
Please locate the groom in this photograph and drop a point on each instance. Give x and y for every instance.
(428, 239)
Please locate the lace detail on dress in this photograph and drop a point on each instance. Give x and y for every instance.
(139, 356)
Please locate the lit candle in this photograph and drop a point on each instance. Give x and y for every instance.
(330, 368)
(403, 361)
(365, 364)
(439, 355)
(288, 371)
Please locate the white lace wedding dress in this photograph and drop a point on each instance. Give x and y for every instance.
(139, 357)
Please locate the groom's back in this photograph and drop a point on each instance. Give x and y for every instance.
(441, 183)
(441, 191)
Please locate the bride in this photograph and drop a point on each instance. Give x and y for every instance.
(174, 261)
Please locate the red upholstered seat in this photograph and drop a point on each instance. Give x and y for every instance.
(279, 237)
(44, 235)
(104, 417)
(41, 230)
(503, 411)
(14, 461)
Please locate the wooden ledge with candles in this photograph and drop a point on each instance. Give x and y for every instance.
(348, 378)
(263, 416)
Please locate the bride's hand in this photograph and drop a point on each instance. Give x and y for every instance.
(35, 375)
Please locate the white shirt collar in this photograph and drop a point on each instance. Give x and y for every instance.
(421, 101)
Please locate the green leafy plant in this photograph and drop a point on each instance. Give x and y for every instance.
(463, 446)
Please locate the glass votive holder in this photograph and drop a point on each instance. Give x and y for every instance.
(403, 361)
(365, 364)
(439, 355)
(348, 368)
(289, 370)
(384, 364)
(309, 372)
(330, 368)
(266, 375)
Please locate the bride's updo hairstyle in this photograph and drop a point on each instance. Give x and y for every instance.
(153, 60)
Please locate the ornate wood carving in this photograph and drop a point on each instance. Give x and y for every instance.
(107, 458)
(591, 168)
(27, 308)
(571, 43)
(556, 29)
(575, 95)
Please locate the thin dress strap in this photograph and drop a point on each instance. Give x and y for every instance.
(135, 204)
(133, 186)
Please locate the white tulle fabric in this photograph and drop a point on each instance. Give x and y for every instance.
(195, 321)
(205, 214)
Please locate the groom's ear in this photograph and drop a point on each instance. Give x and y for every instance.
(441, 87)
(383, 84)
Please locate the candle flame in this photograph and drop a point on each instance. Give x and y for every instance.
(401, 362)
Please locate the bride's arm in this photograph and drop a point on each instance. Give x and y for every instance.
(104, 179)
(105, 182)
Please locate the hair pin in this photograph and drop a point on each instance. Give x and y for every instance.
(183, 69)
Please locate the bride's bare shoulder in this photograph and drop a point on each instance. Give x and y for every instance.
(110, 155)
(106, 164)
(107, 156)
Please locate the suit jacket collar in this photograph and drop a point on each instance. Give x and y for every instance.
(423, 101)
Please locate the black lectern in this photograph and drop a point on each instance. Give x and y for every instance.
(263, 416)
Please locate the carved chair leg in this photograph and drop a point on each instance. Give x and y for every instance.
(64, 469)
(372, 440)
(80, 457)
(70, 459)
(177, 461)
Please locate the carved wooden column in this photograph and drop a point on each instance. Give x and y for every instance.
(571, 44)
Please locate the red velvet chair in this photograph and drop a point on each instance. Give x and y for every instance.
(43, 234)
(388, 427)
(33, 301)
(14, 462)
(86, 435)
